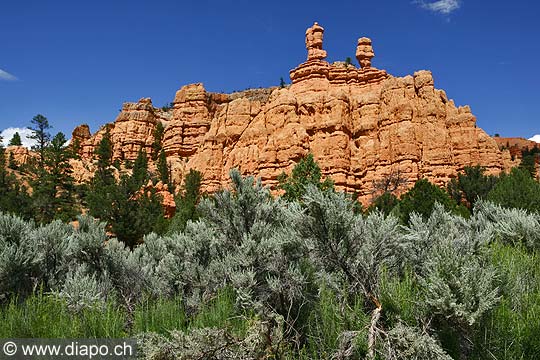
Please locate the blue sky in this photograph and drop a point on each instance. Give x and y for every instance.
(77, 62)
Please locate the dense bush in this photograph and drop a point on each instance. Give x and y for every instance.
(255, 276)
(517, 190)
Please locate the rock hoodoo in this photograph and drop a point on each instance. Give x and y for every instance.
(364, 52)
(361, 124)
(314, 42)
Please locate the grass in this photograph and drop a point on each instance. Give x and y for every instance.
(512, 329)
(509, 331)
(44, 316)
(32, 318)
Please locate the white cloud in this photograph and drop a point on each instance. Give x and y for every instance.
(440, 6)
(6, 76)
(7, 134)
(535, 138)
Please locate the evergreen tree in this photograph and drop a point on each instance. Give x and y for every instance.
(53, 186)
(104, 154)
(517, 190)
(41, 136)
(103, 185)
(129, 211)
(471, 185)
(158, 138)
(140, 171)
(528, 162)
(12, 164)
(75, 148)
(15, 140)
(133, 214)
(163, 170)
(186, 202)
(384, 203)
(13, 195)
(306, 172)
(422, 198)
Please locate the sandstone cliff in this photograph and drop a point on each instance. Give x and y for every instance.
(361, 124)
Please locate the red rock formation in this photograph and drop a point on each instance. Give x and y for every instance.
(361, 124)
(132, 130)
(364, 52)
(79, 135)
(21, 155)
(189, 123)
(515, 145)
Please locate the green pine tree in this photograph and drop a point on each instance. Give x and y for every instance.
(41, 135)
(306, 172)
(140, 173)
(422, 199)
(13, 195)
(163, 169)
(517, 190)
(53, 185)
(102, 188)
(158, 138)
(133, 214)
(15, 140)
(471, 185)
(384, 203)
(12, 163)
(129, 212)
(186, 202)
(104, 154)
(528, 163)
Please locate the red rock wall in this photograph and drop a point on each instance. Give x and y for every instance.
(361, 124)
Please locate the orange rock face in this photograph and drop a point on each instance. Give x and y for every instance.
(132, 130)
(80, 134)
(20, 154)
(361, 124)
(515, 145)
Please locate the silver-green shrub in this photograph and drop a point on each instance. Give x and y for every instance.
(346, 248)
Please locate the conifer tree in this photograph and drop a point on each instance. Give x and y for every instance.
(472, 184)
(104, 156)
(422, 198)
(306, 172)
(517, 190)
(53, 186)
(385, 203)
(158, 138)
(103, 185)
(133, 213)
(528, 162)
(41, 135)
(15, 140)
(13, 195)
(129, 212)
(186, 202)
(140, 171)
(163, 169)
(12, 163)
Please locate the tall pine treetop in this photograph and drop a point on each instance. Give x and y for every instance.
(15, 140)
(40, 135)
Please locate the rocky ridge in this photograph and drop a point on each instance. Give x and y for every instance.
(360, 123)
